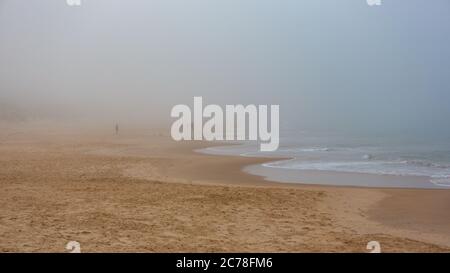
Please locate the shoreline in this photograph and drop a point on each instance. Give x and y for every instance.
(145, 192)
(387, 210)
(399, 221)
(327, 177)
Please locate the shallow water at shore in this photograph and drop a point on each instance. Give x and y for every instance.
(351, 162)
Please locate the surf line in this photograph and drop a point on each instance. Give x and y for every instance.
(190, 126)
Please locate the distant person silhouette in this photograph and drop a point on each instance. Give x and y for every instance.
(117, 128)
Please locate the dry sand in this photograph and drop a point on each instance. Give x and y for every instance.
(147, 193)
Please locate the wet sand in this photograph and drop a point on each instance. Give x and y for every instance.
(143, 192)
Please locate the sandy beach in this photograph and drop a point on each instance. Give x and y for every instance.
(143, 192)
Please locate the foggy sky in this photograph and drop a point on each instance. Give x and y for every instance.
(330, 64)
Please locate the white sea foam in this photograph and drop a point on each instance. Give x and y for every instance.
(313, 149)
(441, 180)
(430, 162)
(437, 173)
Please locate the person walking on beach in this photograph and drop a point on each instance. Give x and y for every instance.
(117, 128)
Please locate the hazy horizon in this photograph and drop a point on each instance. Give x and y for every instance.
(330, 65)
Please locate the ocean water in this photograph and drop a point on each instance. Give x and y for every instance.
(354, 161)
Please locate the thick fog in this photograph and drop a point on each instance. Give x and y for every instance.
(329, 64)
